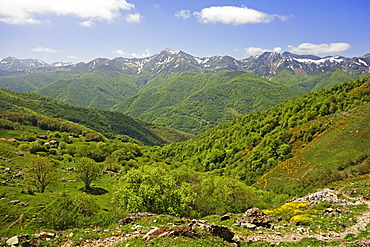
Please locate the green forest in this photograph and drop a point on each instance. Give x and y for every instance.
(191, 101)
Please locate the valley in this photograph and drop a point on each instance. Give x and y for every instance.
(191, 143)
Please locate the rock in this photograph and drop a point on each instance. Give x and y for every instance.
(248, 225)
(340, 223)
(67, 243)
(13, 241)
(18, 175)
(362, 243)
(69, 169)
(329, 210)
(126, 220)
(192, 230)
(131, 217)
(45, 235)
(254, 216)
(325, 195)
(148, 236)
(351, 191)
(223, 232)
(30, 243)
(225, 217)
(14, 202)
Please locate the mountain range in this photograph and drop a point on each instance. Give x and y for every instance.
(170, 61)
(177, 89)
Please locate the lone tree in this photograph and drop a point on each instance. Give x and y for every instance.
(41, 172)
(87, 170)
(155, 190)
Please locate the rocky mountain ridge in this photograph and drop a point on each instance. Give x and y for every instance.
(170, 61)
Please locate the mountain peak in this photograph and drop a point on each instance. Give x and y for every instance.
(170, 51)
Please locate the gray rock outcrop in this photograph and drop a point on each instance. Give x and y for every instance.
(252, 218)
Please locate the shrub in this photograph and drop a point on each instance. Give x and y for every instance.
(288, 210)
(302, 219)
(69, 212)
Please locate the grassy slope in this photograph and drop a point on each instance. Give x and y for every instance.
(347, 137)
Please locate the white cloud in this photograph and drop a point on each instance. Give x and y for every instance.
(119, 52)
(87, 23)
(141, 55)
(258, 50)
(134, 18)
(320, 48)
(183, 14)
(44, 49)
(24, 11)
(235, 15)
(73, 57)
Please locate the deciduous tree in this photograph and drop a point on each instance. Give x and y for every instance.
(87, 170)
(41, 172)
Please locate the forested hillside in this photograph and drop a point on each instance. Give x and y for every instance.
(306, 84)
(252, 145)
(194, 102)
(110, 124)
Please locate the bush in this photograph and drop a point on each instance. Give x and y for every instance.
(155, 190)
(70, 212)
(302, 219)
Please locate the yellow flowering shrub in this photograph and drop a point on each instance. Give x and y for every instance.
(288, 210)
(302, 219)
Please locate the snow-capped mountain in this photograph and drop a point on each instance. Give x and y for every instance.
(170, 61)
(12, 64)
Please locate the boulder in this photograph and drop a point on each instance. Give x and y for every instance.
(223, 232)
(45, 235)
(362, 243)
(14, 202)
(325, 195)
(30, 243)
(253, 216)
(225, 217)
(13, 241)
(192, 230)
(131, 217)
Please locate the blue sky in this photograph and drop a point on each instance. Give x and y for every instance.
(82, 30)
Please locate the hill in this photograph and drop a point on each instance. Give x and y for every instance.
(110, 124)
(97, 89)
(306, 84)
(193, 102)
(252, 145)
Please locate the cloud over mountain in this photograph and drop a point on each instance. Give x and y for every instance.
(258, 50)
(235, 15)
(44, 49)
(25, 12)
(309, 48)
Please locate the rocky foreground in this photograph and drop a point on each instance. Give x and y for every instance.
(260, 227)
